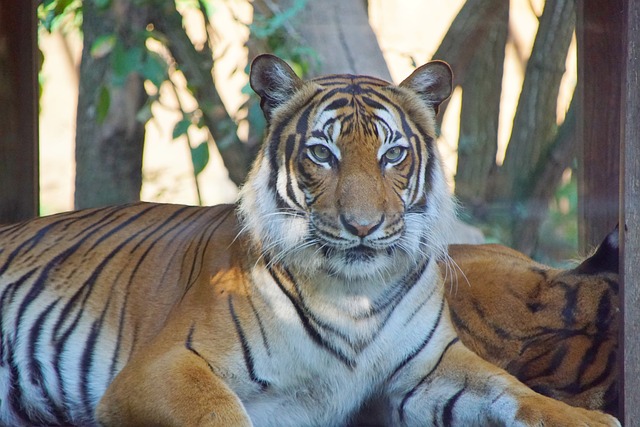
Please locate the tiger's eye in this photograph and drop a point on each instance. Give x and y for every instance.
(321, 153)
(394, 154)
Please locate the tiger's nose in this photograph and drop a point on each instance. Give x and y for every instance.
(360, 228)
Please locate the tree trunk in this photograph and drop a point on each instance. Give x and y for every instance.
(469, 29)
(481, 89)
(108, 149)
(534, 126)
(340, 33)
(545, 182)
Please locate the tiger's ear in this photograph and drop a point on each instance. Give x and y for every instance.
(605, 258)
(274, 81)
(432, 81)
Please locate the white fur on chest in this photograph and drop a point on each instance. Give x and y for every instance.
(311, 385)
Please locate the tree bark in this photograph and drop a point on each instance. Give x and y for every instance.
(109, 151)
(558, 158)
(468, 30)
(534, 125)
(340, 33)
(481, 89)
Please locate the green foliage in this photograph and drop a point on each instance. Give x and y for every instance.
(200, 157)
(104, 102)
(130, 54)
(273, 30)
(60, 14)
(559, 232)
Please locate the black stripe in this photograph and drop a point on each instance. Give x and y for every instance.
(86, 362)
(424, 342)
(423, 380)
(188, 344)
(36, 373)
(313, 333)
(447, 411)
(571, 304)
(263, 333)
(246, 351)
(290, 168)
(15, 396)
(373, 104)
(8, 294)
(337, 104)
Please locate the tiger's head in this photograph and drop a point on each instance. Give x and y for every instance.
(348, 181)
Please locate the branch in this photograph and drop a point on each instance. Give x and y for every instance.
(534, 125)
(196, 66)
(467, 31)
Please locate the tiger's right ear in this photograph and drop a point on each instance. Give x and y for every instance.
(274, 81)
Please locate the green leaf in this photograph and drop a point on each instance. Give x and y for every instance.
(181, 128)
(102, 107)
(200, 157)
(125, 61)
(154, 69)
(102, 4)
(144, 114)
(103, 45)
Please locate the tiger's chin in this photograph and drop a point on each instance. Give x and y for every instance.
(364, 263)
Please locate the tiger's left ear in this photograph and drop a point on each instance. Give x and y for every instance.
(432, 81)
(274, 81)
(605, 258)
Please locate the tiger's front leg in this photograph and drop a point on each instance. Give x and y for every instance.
(177, 388)
(465, 390)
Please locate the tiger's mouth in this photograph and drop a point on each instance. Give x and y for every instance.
(360, 253)
(356, 254)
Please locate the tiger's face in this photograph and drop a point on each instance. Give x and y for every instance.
(348, 180)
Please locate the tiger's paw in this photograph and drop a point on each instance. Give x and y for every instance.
(561, 415)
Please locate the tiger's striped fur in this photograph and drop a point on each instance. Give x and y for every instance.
(554, 329)
(318, 293)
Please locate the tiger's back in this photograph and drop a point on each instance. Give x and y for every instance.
(81, 291)
(554, 329)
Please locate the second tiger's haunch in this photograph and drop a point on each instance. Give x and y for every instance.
(317, 294)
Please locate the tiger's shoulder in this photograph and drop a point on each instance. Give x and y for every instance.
(554, 329)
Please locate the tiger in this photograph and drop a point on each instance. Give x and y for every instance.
(554, 329)
(315, 294)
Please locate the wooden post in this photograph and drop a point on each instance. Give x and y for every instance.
(18, 110)
(630, 216)
(600, 41)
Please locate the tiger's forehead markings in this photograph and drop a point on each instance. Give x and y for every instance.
(350, 82)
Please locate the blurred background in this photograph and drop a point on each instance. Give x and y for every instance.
(157, 106)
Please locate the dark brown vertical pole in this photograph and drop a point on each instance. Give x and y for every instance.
(630, 215)
(18, 110)
(600, 52)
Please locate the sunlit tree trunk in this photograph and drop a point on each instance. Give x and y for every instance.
(514, 195)
(534, 126)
